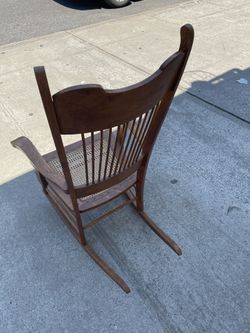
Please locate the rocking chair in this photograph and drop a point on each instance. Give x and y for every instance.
(118, 130)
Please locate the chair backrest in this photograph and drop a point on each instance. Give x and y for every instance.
(125, 121)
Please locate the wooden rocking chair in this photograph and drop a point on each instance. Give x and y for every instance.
(118, 129)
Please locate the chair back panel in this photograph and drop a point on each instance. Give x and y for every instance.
(82, 109)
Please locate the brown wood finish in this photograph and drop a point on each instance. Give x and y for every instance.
(118, 129)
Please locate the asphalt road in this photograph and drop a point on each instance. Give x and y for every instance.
(23, 19)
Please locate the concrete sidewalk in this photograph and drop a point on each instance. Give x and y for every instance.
(197, 186)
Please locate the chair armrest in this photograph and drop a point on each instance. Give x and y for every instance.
(38, 162)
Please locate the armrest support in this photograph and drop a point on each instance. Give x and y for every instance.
(38, 162)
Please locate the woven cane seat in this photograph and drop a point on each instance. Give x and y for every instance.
(77, 167)
(76, 162)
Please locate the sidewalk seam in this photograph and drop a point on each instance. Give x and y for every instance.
(10, 115)
(217, 107)
(110, 54)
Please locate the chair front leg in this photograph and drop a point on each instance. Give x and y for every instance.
(42, 180)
